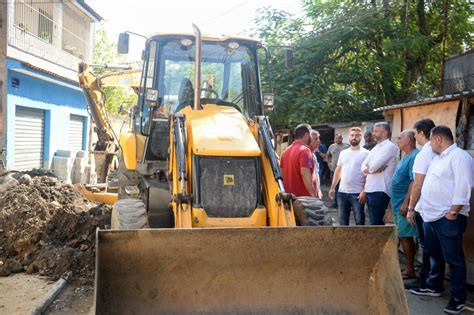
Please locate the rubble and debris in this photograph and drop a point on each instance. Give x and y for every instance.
(47, 227)
(6, 182)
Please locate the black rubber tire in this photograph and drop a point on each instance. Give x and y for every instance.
(311, 212)
(124, 177)
(129, 214)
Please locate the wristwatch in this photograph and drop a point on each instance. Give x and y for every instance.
(453, 213)
(411, 209)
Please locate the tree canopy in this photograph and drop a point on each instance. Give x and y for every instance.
(105, 51)
(352, 56)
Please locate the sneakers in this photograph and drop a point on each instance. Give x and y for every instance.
(425, 292)
(411, 285)
(455, 306)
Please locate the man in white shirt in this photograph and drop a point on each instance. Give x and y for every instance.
(351, 188)
(378, 167)
(433, 267)
(445, 198)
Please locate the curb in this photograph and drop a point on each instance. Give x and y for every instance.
(51, 295)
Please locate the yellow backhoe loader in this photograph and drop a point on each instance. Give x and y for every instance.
(203, 223)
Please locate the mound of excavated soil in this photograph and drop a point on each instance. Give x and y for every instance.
(46, 227)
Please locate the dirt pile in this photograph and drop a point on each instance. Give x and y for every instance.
(46, 227)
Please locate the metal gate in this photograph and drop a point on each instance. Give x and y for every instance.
(29, 138)
(76, 133)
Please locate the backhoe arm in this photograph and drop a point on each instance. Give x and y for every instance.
(95, 97)
(92, 85)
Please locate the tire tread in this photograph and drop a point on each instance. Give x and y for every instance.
(129, 214)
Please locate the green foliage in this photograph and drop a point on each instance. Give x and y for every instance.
(355, 55)
(106, 52)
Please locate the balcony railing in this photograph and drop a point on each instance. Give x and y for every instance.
(57, 34)
(75, 33)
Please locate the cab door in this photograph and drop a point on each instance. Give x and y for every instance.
(143, 121)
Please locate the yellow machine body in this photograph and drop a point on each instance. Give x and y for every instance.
(223, 131)
(220, 131)
(128, 143)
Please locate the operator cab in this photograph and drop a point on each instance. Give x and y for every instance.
(229, 77)
(226, 68)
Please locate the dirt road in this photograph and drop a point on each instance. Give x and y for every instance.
(20, 293)
(46, 229)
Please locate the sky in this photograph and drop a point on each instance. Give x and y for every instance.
(213, 17)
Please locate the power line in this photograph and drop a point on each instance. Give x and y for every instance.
(225, 12)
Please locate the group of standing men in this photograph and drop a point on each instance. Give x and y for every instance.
(365, 176)
(440, 196)
(429, 191)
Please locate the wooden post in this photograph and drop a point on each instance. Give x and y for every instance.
(462, 128)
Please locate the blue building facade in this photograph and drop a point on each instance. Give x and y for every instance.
(42, 107)
(58, 100)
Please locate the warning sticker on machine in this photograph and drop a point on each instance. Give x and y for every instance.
(228, 180)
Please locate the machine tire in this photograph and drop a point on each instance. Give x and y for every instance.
(129, 214)
(310, 211)
(124, 177)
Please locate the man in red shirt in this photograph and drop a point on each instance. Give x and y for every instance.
(297, 164)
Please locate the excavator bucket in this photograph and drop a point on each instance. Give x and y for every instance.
(317, 270)
(108, 198)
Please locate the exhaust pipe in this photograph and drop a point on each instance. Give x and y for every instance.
(197, 79)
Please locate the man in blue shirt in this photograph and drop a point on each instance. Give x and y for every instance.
(320, 154)
(401, 187)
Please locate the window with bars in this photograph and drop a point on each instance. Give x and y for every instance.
(45, 26)
(35, 18)
(75, 32)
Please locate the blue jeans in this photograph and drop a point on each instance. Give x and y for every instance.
(336, 190)
(377, 203)
(430, 269)
(347, 201)
(443, 238)
(321, 172)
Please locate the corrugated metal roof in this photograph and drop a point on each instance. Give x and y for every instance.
(344, 124)
(460, 54)
(429, 100)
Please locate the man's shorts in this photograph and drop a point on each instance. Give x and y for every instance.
(404, 229)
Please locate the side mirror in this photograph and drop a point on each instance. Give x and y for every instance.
(151, 97)
(289, 61)
(268, 102)
(122, 45)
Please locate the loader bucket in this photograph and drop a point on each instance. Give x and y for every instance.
(317, 270)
